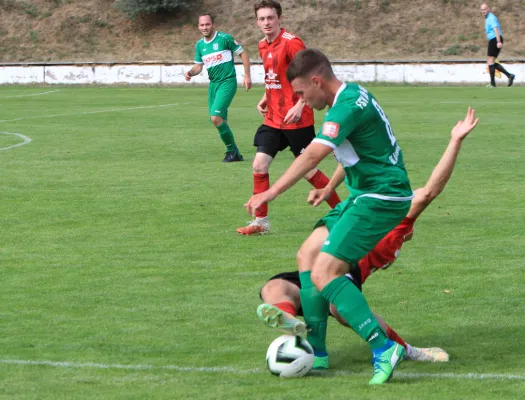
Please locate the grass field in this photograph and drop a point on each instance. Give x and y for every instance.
(122, 277)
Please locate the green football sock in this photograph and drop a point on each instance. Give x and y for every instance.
(227, 136)
(315, 310)
(352, 306)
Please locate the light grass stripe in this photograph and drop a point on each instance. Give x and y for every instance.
(93, 112)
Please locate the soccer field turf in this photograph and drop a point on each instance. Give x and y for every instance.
(122, 276)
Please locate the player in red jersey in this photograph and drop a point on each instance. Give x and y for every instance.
(288, 122)
(281, 292)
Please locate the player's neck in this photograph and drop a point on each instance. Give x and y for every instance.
(333, 87)
(273, 36)
(210, 37)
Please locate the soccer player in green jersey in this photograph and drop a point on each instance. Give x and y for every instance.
(215, 52)
(281, 293)
(358, 132)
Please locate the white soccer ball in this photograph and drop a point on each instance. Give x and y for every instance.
(290, 356)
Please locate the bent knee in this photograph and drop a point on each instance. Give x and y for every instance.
(305, 259)
(318, 278)
(280, 290)
(216, 120)
(260, 167)
(273, 287)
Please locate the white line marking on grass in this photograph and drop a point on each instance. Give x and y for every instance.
(30, 95)
(447, 375)
(94, 112)
(473, 101)
(25, 138)
(232, 370)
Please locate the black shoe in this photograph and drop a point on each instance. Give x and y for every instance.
(511, 79)
(232, 156)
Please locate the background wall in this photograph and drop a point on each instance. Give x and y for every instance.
(461, 73)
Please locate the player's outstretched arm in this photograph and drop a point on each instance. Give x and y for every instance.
(247, 83)
(195, 70)
(317, 196)
(443, 170)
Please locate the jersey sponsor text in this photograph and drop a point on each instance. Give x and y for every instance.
(214, 59)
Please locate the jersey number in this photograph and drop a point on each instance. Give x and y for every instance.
(386, 121)
(395, 156)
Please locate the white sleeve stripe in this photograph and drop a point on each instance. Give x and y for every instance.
(325, 142)
(198, 62)
(239, 50)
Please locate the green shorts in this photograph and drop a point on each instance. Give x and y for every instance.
(220, 96)
(356, 225)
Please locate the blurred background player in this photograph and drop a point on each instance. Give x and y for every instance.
(495, 38)
(281, 293)
(287, 121)
(215, 51)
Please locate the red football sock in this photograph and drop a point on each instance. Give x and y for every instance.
(392, 335)
(319, 181)
(261, 183)
(287, 307)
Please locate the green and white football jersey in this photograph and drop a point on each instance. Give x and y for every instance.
(358, 130)
(217, 56)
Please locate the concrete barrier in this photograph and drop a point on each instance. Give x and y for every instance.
(470, 72)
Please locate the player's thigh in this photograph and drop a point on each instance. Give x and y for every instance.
(361, 225)
(310, 248)
(223, 97)
(268, 140)
(299, 139)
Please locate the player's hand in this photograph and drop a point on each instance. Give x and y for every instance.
(462, 128)
(247, 83)
(294, 114)
(499, 45)
(257, 200)
(261, 107)
(187, 76)
(317, 196)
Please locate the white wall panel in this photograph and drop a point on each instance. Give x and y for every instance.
(433, 73)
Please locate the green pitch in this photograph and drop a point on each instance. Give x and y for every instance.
(122, 277)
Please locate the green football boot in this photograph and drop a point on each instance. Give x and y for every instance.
(385, 360)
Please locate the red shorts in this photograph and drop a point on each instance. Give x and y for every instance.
(386, 251)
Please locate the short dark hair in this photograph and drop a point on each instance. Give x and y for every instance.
(309, 62)
(268, 4)
(208, 15)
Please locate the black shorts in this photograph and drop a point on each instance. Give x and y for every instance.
(293, 277)
(270, 140)
(493, 50)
